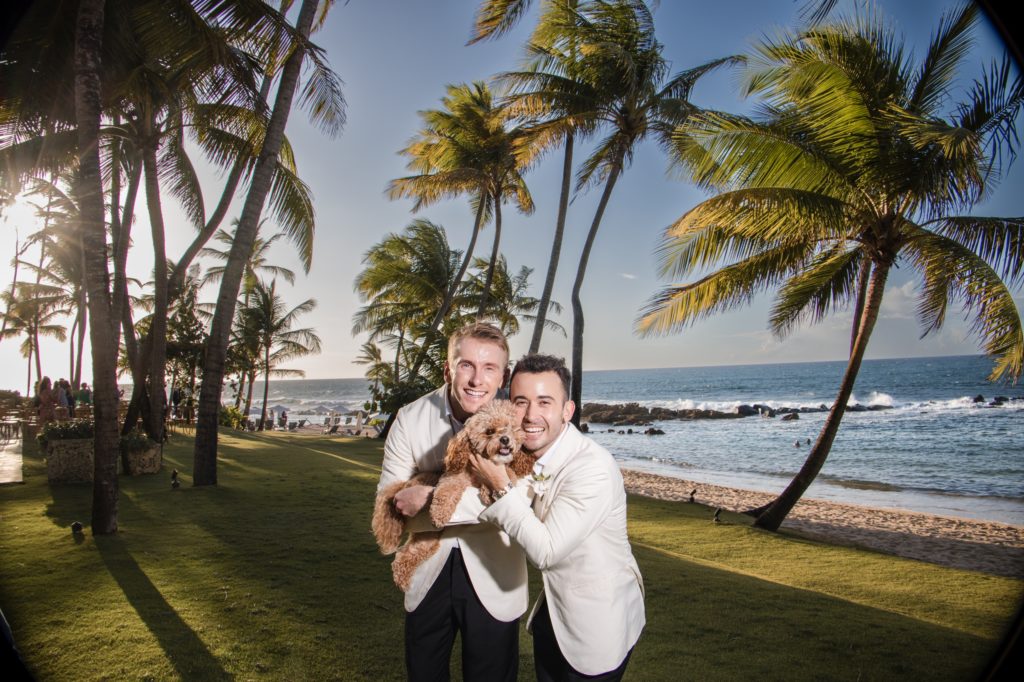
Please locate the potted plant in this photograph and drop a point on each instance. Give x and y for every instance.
(140, 454)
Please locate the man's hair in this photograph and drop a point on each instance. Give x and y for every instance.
(535, 363)
(482, 331)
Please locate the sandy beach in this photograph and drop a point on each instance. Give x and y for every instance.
(990, 547)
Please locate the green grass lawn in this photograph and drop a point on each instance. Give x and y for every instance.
(274, 574)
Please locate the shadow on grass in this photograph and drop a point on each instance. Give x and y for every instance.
(70, 502)
(185, 650)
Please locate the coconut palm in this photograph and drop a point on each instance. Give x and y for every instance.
(256, 264)
(322, 95)
(508, 301)
(269, 321)
(633, 99)
(862, 161)
(405, 279)
(33, 311)
(467, 147)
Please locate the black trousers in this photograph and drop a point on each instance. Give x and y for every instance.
(549, 661)
(490, 647)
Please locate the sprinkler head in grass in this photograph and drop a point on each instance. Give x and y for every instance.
(76, 528)
(175, 483)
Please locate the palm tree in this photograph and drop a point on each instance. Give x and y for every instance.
(322, 93)
(508, 301)
(633, 100)
(406, 278)
(256, 264)
(269, 321)
(862, 161)
(465, 148)
(89, 195)
(548, 93)
(32, 312)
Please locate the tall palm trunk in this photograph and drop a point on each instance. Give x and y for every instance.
(205, 452)
(102, 330)
(266, 387)
(777, 511)
(248, 396)
(157, 347)
(556, 246)
(238, 393)
(446, 304)
(485, 297)
(577, 305)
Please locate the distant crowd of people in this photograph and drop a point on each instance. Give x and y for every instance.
(59, 400)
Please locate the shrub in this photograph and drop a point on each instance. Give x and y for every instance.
(231, 416)
(136, 441)
(66, 430)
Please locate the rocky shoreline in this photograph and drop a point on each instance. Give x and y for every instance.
(985, 546)
(634, 414)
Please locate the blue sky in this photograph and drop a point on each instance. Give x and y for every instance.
(396, 57)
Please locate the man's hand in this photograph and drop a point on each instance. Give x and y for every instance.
(411, 501)
(489, 471)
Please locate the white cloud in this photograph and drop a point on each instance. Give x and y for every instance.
(899, 303)
(626, 275)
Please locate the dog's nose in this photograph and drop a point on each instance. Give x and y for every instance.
(503, 440)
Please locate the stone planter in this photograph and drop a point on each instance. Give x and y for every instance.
(69, 460)
(143, 461)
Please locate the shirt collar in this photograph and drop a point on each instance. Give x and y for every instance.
(547, 458)
(456, 424)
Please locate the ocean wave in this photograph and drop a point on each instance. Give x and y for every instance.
(875, 399)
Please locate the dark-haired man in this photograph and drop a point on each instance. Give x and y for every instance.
(475, 585)
(591, 611)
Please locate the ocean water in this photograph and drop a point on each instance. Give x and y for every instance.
(933, 450)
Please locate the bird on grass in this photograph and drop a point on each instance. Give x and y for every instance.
(718, 515)
(76, 527)
(692, 493)
(175, 483)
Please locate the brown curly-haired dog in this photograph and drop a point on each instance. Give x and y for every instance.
(493, 432)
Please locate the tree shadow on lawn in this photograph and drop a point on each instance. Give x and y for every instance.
(183, 647)
(709, 623)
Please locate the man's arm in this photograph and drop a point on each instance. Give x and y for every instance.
(580, 505)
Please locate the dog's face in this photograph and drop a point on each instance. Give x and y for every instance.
(494, 431)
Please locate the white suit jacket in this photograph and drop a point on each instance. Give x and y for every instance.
(497, 568)
(576, 534)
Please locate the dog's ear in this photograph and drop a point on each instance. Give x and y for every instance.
(457, 455)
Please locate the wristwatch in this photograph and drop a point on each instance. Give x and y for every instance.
(498, 494)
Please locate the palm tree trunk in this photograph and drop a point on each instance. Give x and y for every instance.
(120, 230)
(205, 452)
(215, 219)
(862, 286)
(157, 347)
(266, 389)
(103, 331)
(777, 511)
(238, 393)
(577, 305)
(556, 246)
(447, 303)
(485, 296)
(248, 396)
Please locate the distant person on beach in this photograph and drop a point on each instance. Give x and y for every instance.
(590, 613)
(84, 395)
(47, 401)
(475, 585)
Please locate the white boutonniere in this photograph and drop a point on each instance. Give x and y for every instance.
(539, 483)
